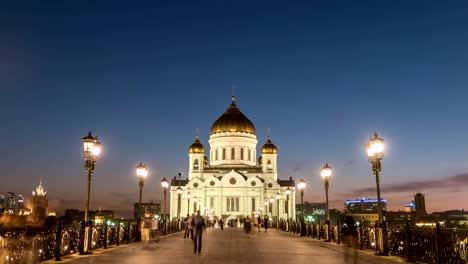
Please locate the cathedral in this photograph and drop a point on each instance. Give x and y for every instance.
(232, 182)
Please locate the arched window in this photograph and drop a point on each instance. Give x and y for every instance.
(224, 154)
(196, 165)
(269, 166)
(216, 154)
(250, 155)
(253, 204)
(242, 154)
(233, 157)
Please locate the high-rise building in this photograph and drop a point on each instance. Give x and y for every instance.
(148, 210)
(10, 203)
(2, 203)
(364, 205)
(420, 205)
(410, 207)
(39, 203)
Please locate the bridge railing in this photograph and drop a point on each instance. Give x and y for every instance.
(32, 244)
(423, 244)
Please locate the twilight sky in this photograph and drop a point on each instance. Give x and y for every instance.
(322, 75)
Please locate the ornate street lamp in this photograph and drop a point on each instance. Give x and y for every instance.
(141, 172)
(326, 173)
(374, 150)
(301, 186)
(91, 150)
(179, 194)
(164, 186)
(288, 193)
(271, 206)
(188, 202)
(278, 197)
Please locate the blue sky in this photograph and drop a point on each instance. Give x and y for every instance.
(323, 76)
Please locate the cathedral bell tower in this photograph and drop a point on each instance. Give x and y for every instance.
(197, 158)
(268, 159)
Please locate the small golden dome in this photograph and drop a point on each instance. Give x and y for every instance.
(197, 147)
(260, 160)
(269, 148)
(233, 120)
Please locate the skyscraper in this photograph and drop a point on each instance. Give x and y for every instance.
(10, 203)
(420, 204)
(39, 203)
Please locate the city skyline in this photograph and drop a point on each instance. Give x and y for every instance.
(322, 79)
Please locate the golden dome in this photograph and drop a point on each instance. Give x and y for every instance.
(269, 148)
(197, 147)
(233, 120)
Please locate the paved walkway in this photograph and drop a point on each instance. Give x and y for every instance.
(230, 246)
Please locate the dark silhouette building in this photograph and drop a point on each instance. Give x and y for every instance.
(420, 205)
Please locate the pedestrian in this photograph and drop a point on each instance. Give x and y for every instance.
(155, 229)
(186, 226)
(198, 225)
(259, 222)
(146, 231)
(221, 223)
(350, 234)
(190, 226)
(265, 222)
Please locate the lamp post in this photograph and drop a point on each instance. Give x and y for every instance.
(278, 197)
(288, 193)
(326, 173)
(141, 172)
(375, 154)
(301, 186)
(189, 195)
(271, 206)
(92, 150)
(164, 186)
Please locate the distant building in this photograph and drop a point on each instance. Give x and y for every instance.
(148, 210)
(399, 218)
(100, 216)
(363, 205)
(39, 203)
(10, 203)
(2, 203)
(420, 205)
(316, 210)
(364, 218)
(410, 207)
(21, 208)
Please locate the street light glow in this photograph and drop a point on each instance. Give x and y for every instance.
(301, 185)
(141, 170)
(326, 172)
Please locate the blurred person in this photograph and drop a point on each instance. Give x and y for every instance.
(350, 234)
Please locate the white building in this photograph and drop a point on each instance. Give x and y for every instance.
(232, 182)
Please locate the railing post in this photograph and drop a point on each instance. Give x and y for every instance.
(90, 236)
(439, 256)
(117, 241)
(58, 241)
(82, 237)
(319, 229)
(128, 231)
(105, 234)
(385, 238)
(409, 242)
(338, 231)
(361, 240)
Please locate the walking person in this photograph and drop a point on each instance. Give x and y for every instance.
(265, 222)
(221, 223)
(350, 240)
(198, 225)
(186, 226)
(190, 226)
(155, 229)
(259, 222)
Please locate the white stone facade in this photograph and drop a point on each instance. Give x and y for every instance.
(231, 182)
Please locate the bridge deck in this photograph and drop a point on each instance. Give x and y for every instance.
(231, 246)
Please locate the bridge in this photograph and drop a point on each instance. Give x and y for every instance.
(231, 245)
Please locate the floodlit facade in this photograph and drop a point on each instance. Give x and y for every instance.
(230, 179)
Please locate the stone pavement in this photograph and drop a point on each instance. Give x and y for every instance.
(232, 245)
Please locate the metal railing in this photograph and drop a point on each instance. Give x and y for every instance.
(422, 244)
(33, 244)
